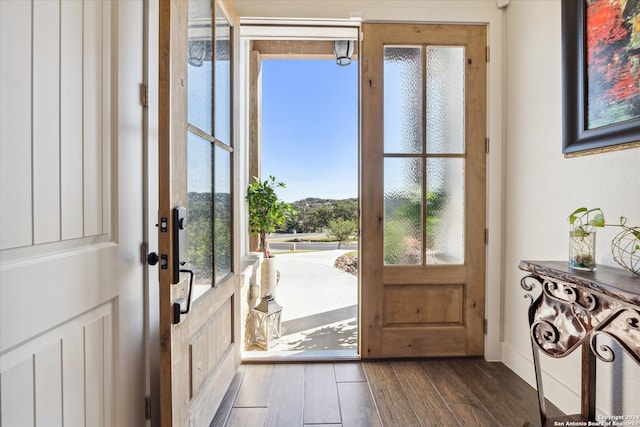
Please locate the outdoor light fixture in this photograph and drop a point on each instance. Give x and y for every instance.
(343, 50)
(266, 323)
(197, 52)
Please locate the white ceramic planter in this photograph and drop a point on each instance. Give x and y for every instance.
(268, 277)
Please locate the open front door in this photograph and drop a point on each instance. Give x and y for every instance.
(197, 258)
(423, 190)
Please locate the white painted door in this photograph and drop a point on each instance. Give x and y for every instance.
(71, 221)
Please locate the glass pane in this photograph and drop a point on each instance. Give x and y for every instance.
(445, 211)
(200, 74)
(222, 213)
(200, 209)
(403, 124)
(445, 100)
(222, 109)
(402, 211)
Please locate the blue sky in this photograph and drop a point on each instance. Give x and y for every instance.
(310, 127)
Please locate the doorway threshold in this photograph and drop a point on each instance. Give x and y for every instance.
(280, 356)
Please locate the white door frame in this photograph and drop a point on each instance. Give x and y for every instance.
(434, 12)
(150, 175)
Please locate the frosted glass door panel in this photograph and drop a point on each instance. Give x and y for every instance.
(402, 211)
(445, 211)
(222, 108)
(445, 100)
(199, 72)
(424, 154)
(403, 82)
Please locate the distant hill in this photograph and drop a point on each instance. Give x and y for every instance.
(312, 202)
(314, 214)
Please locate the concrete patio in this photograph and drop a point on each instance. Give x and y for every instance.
(319, 314)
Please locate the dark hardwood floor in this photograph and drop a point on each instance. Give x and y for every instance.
(428, 392)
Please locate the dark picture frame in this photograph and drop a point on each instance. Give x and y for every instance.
(578, 138)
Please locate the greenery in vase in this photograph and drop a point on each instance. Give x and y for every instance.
(625, 247)
(582, 236)
(582, 217)
(266, 211)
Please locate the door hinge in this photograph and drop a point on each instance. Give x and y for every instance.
(147, 407)
(486, 236)
(486, 145)
(144, 94)
(485, 326)
(488, 54)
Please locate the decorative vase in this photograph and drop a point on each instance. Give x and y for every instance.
(268, 277)
(582, 247)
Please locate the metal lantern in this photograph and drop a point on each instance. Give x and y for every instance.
(266, 322)
(343, 50)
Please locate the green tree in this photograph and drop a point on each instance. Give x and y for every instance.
(346, 209)
(343, 231)
(314, 213)
(321, 216)
(266, 211)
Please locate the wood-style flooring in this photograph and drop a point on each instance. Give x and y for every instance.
(428, 392)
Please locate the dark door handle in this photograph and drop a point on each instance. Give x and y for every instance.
(177, 306)
(152, 258)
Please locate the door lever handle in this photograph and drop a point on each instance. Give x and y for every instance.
(177, 306)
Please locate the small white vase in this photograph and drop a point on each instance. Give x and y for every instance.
(268, 277)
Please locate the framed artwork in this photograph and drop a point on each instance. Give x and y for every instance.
(601, 75)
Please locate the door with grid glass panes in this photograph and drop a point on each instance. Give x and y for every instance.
(199, 293)
(423, 190)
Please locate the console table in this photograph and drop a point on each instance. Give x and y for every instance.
(571, 310)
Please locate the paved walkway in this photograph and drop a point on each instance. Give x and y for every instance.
(319, 302)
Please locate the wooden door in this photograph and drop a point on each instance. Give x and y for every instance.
(199, 294)
(71, 225)
(423, 190)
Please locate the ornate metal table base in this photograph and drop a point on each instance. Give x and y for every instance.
(572, 309)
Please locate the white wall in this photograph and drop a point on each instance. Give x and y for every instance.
(542, 188)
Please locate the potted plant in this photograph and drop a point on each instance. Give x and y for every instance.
(582, 237)
(266, 213)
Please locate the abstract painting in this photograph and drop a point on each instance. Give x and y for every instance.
(601, 75)
(613, 61)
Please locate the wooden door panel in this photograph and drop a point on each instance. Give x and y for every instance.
(212, 360)
(424, 305)
(424, 275)
(208, 345)
(436, 306)
(414, 342)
